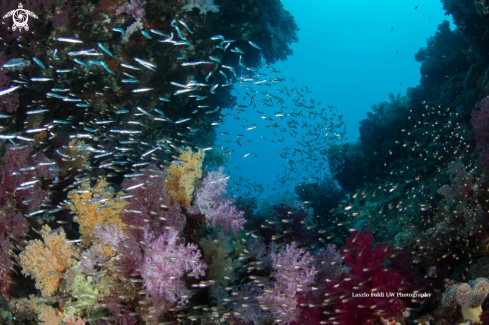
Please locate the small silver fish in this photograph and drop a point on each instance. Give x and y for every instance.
(140, 90)
(69, 40)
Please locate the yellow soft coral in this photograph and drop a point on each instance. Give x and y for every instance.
(78, 154)
(46, 261)
(218, 256)
(97, 205)
(181, 177)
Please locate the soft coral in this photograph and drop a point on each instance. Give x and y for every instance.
(369, 273)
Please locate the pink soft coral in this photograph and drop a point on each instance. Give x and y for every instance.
(293, 273)
(210, 201)
(165, 264)
(227, 216)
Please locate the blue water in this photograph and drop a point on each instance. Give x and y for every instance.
(351, 54)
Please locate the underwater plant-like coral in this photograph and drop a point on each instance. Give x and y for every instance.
(217, 255)
(203, 5)
(46, 261)
(368, 273)
(13, 227)
(182, 175)
(210, 201)
(461, 188)
(165, 264)
(95, 206)
(21, 166)
(293, 273)
(480, 121)
(469, 296)
(10, 102)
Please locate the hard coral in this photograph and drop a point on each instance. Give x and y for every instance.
(182, 176)
(46, 260)
(469, 296)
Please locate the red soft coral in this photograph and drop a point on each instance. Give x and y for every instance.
(370, 273)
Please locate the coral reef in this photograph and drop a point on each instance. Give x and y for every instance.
(47, 260)
(182, 176)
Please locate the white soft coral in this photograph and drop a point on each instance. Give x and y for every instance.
(203, 5)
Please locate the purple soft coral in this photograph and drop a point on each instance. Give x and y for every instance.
(480, 121)
(293, 273)
(10, 102)
(150, 204)
(30, 195)
(209, 200)
(165, 263)
(228, 216)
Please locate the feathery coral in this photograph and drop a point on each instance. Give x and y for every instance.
(46, 261)
(166, 263)
(203, 5)
(46, 314)
(95, 206)
(217, 255)
(209, 201)
(293, 273)
(181, 177)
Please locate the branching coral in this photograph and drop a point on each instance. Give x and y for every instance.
(368, 273)
(209, 200)
(45, 314)
(95, 206)
(480, 121)
(461, 187)
(21, 166)
(149, 204)
(13, 227)
(217, 255)
(203, 5)
(78, 151)
(293, 273)
(47, 260)
(165, 264)
(136, 10)
(182, 176)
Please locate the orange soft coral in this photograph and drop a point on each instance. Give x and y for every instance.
(46, 261)
(96, 206)
(182, 176)
(45, 313)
